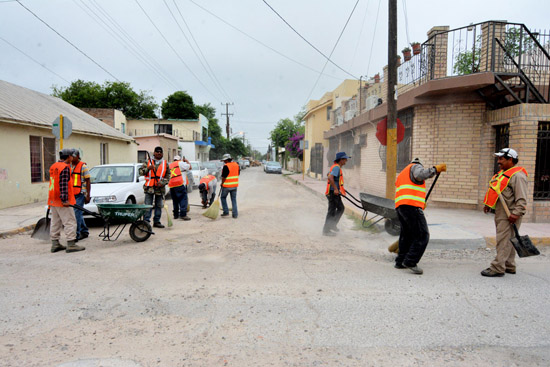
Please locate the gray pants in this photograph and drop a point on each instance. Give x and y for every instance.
(62, 218)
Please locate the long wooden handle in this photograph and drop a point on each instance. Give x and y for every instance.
(503, 203)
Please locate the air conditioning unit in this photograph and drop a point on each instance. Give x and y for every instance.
(371, 102)
(349, 115)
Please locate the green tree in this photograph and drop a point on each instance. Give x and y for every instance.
(179, 105)
(466, 63)
(117, 95)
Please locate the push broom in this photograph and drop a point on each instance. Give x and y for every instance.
(214, 209)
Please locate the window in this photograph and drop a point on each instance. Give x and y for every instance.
(103, 153)
(123, 127)
(329, 110)
(542, 164)
(142, 156)
(42, 157)
(502, 138)
(163, 129)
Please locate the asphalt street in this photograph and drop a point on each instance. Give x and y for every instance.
(266, 289)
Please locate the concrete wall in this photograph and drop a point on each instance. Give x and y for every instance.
(181, 128)
(15, 172)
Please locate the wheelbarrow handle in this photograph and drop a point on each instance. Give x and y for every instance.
(76, 206)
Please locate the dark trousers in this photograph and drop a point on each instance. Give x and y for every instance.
(414, 236)
(334, 213)
(179, 201)
(80, 223)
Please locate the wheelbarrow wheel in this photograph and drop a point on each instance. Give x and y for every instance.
(140, 231)
(393, 227)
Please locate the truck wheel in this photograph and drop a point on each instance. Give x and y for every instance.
(140, 231)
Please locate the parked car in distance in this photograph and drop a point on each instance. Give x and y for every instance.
(199, 171)
(246, 162)
(273, 167)
(116, 184)
(213, 169)
(241, 164)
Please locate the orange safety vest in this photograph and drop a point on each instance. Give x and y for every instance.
(77, 178)
(176, 178)
(500, 182)
(152, 179)
(206, 180)
(54, 190)
(407, 192)
(340, 181)
(232, 179)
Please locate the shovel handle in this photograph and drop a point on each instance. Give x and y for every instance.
(503, 203)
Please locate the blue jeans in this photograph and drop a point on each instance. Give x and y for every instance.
(159, 204)
(179, 201)
(233, 192)
(81, 227)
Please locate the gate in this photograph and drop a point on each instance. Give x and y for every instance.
(316, 164)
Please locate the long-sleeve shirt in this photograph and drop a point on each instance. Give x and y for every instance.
(64, 177)
(515, 195)
(157, 190)
(419, 174)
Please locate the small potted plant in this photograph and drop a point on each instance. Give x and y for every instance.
(416, 48)
(406, 54)
(398, 60)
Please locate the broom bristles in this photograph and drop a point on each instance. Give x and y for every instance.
(394, 247)
(213, 211)
(168, 217)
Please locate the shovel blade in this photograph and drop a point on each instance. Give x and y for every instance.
(524, 247)
(42, 229)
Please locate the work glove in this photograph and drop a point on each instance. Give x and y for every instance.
(441, 168)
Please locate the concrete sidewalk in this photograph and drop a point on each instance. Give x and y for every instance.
(458, 228)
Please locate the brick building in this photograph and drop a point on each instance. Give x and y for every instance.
(468, 92)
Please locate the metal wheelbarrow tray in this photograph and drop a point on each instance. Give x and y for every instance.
(383, 208)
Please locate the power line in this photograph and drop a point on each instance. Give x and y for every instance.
(142, 53)
(42, 65)
(69, 42)
(331, 52)
(406, 21)
(209, 73)
(260, 42)
(360, 34)
(309, 43)
(174, 50)
(373, 36)
(113, 33)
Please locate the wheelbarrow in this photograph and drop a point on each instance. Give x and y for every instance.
(118, 216)
(383, 208)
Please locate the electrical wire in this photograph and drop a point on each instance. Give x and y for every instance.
(373, 36)
(360, 34)
(331, 52)
(406, 21)
(42, 65)
(309, 43)
(69, 42)
(113, 33)
(208, 70)
(139, 50)
(260, 42)
(174, 50)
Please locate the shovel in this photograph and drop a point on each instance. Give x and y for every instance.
(42, 228)
(523, 245)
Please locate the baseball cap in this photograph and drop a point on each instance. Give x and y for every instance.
(65, 152)
(507, 153)
(158, 149)
(226, 157)
(177, 158)
(341, 155)
(416, 160)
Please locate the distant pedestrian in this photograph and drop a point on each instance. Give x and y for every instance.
(207, 189)
(511, 182)
(410, 201)
(230, 182)
(82, 188)
(178, 187)
(335, 188)
(60, 197)
(157, 175)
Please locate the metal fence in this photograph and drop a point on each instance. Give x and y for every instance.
(542, 165)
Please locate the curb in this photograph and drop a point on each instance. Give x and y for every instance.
(12, 232)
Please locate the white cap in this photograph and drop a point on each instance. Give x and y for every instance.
(226, 157)
(507, 153)
(177, 158)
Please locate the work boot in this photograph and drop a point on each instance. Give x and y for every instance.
(72, 247)
(224, 214)
(56, 246)
(185, 218)
(491, 273)
(158, 225)
(510, 271)
(329, 234)
(399, 266)
(414, 269)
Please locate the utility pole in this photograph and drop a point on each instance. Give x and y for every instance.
(227, 114)
(360, 87)
(391, 134)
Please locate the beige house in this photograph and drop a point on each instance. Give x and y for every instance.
(29, 148)
(459, 102)
(319, 115)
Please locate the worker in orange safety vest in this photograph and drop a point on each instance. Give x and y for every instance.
(335, 188)
(410, 201)
(178, 186)
(157, 175)
(230, 183)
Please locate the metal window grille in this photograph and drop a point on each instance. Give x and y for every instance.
(36, 158)
(502, 140)
(316, 164)
(103, 153)
(163, 129)
(542, 164)
(49, 155)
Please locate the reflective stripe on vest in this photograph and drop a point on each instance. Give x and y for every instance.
(176, 179)
(206, 181)
(151, 179)
(340, 181)
(499, 182)
(407, 192)
(54, 191)
(232, 179)
(77, 178)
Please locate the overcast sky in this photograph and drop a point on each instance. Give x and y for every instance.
(251, 57)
